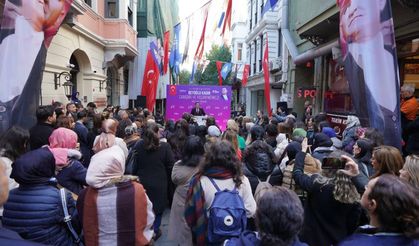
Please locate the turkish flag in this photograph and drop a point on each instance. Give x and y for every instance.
(265, 66)
(246, 71)
(150, 81)
(166, 51)
(219, 66)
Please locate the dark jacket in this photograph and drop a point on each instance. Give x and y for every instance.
(39, 135)
(85, 149)
(364, 238)
(8, 237)
(153, 168)
(73, 176)
(259, 167)
(250, 238)
(326, 220)
(34, 210)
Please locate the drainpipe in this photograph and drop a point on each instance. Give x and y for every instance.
(309, 54)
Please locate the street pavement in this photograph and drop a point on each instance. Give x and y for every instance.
(163, 240)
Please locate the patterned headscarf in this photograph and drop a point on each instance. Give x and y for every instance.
(60, 141)
(107, 138)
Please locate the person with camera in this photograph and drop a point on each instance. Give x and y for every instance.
(332, 206)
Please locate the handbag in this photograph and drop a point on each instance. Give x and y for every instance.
(67, 219)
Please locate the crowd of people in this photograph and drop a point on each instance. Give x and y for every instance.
(80, 177)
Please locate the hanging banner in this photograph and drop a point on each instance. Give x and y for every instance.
(246, 71)
(150, 81)
(214, 100)
(266, 75)
(166, 51)
(174, 59)
(369, 54)
(201, 45)
(26, 32)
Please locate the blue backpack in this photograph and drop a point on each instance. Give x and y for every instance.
(227, 215)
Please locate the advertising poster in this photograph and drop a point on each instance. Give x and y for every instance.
(214, 100)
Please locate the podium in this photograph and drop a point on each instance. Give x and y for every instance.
(200, 120)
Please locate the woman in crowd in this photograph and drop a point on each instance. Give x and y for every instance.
(13, 144)
(260, 164)
(282, 143)
(35, 210)
(114, 209)
(131, 136)
(231, 136)
(362, 154)
(332, 206)
(153, 166)
(271, 134)
(374, 135)
(232, 125)
(222, 167)
(393, 208)
(107, 138)
(71, 174)
(386, 159)
(257, 133)
(410, 170)
(349, 135)
(182, 172)
(177, 140)
(279, 219)
(66, 121)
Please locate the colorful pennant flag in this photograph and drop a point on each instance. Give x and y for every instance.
(227, 20)
(166, 44)
(201, 45)
(174, 59)
(150, 81)
(270, 4)
(246, 72)
(192, 78)
(266, 75)
(219, 67)
(186, 50)
(225, 71)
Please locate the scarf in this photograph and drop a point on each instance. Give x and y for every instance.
(60, 142)
(195, 212)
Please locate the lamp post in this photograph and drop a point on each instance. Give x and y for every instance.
(68, 85)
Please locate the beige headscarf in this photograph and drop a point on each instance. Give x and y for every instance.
(107, 138)
(106, 165)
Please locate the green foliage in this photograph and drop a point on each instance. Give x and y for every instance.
(210, 75)
(184, 77)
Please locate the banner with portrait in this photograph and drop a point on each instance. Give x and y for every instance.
(214, 100)
(27, 29)
(369, 54)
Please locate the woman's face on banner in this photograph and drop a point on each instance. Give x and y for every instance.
(33, 11)
(54, 13)
(361, 19)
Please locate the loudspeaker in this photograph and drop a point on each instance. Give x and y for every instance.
(140, 102)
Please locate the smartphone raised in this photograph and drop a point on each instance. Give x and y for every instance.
(333, 163)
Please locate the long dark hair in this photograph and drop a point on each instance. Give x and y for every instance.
(222, 154)
(178, 139)
(397, 205)
(13, 142)
(193, 151)
(279, 217)
(150, 137)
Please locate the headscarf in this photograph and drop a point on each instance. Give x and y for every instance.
(329, 132)
(60, 141)
(292, 149)
(352, 121)
(299, 132)
(321, 140)
(104, 166)
(107, 138)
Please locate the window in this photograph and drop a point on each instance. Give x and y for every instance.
(88, 2)
(111, 9)
(255, 57)
(251, 13)
(130, 16)
(261, 8)
(256, 12)
(261, 52)
(250, 59)
(279, 43)
(126, 80)
(239, 52)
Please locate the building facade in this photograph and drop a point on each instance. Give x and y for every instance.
(311, 34)
(96, 45)
(261, 28)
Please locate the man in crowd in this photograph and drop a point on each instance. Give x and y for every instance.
(40, 133)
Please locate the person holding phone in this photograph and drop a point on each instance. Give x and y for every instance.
(332, 206)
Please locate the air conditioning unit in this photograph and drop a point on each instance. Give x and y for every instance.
(275, 65)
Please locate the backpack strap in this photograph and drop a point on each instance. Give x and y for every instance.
(67, 218)
(214, 184)
(269, 177)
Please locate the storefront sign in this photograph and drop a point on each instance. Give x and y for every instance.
(306, 92)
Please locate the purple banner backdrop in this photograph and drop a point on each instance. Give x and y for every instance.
(182, 98)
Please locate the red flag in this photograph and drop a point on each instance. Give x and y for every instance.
(219, 66)
(166, 51)
(200, 50)
(150, 81)
(246, 71)
(266, 75)
(227, 19)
